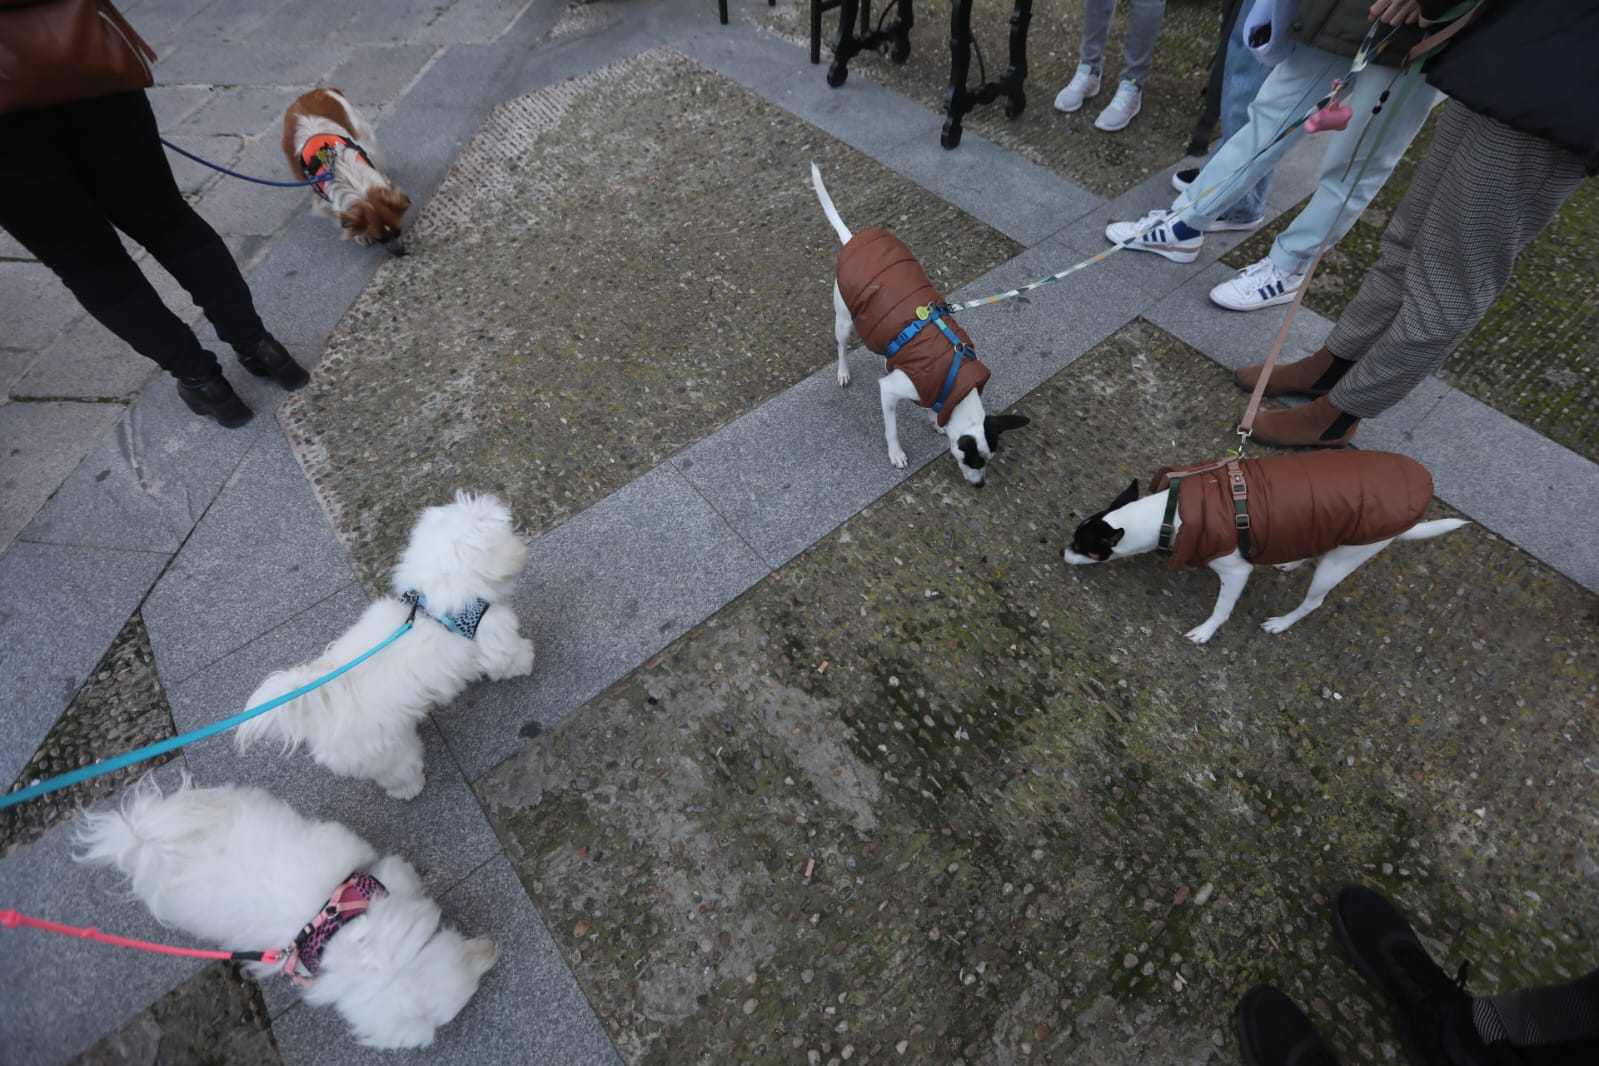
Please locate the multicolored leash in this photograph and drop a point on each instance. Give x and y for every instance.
(12, 919)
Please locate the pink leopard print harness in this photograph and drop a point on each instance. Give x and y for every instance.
(351, 899)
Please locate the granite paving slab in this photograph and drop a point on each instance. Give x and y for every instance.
(59, 994)
(261, 554)
(149, 481)
(32, 315)
(934, 794)
(42, 443)
(538, 379)
(601, 593)
(64, 605)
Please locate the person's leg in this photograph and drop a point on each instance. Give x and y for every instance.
(127, 172)
(1250, 154)
(1556, 1023)
(52, 213)
(1498, 190)
(1096, 31)
(1242, 77)
(1327, 209)
(1138, 46)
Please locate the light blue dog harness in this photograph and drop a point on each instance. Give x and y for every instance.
(462, 623)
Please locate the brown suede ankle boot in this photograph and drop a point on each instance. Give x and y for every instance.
(1317, 424)
(1314, 375)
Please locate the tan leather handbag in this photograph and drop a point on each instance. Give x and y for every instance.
(52, 51)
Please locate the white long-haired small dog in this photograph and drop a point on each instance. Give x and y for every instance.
(239, 868)
(463, 558)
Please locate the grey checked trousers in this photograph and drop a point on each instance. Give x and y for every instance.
(1481, 193)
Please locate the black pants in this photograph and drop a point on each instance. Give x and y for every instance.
(69, 174)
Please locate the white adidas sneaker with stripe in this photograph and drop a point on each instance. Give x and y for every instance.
(1153, 233)
(1258, 285)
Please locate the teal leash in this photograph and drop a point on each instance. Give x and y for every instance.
(150, 751)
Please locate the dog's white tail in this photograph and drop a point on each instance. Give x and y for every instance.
(289, 723)
(1426, 530)
(136, 835)
(827, 206)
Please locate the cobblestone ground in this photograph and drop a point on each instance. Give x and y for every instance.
(215, 1018)
(120, 707)
(1105, 163)
(557, 381)
(928, 788)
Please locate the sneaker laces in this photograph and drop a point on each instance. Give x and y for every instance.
(1257, 271)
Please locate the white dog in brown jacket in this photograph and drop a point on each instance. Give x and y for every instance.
(882, 290)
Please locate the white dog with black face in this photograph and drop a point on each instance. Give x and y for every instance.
(463, 559)
(948, 377)
(245, 871)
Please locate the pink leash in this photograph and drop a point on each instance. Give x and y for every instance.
(12, 919)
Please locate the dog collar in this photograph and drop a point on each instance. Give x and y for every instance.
(351, 899)
(318, 153)
(462, 623)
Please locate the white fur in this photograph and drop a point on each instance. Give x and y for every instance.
(353, 179)
(967, 420)
(243, 870)
(364, 723)
(1141, 519)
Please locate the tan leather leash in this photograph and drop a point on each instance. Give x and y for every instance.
(1422, 48)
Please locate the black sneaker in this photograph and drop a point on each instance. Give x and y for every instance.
(1274, 1032)
(1432, 1011)
(268, 359)
(1184, 178)
(213, 397)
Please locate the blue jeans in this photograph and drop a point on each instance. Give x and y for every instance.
(1138, 47)
(1242, 77)
(1292, 87)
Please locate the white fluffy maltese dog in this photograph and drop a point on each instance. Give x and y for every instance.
(243, 870)
(455, 576)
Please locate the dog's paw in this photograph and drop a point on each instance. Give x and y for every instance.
(1278, 624)
(896, 455)
(410, 789)
(932, 423)
(1285, 567)
(521, 663)
(843, 376)
(1201, 634)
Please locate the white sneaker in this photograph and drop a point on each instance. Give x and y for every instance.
(1159, 237)
(1084, 84)
(1257, 285)
(1127, 102)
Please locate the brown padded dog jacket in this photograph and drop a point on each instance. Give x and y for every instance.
(1300, 506)
(883, 285)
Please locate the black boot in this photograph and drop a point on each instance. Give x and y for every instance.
(268, 359)
(213, 397)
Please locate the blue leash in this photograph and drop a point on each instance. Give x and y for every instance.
(235, 174)
(150, 751)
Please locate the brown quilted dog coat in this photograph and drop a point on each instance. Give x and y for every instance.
(1300, 506)
(883, 285)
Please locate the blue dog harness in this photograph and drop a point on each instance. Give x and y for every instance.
(462, 623)
(933, 314)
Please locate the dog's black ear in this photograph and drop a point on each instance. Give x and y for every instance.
(1129, 495)
(970, 456)
(1116, 536)
(994, 425)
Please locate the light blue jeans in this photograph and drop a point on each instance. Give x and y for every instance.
(1242, 76)
(1291, 89)
(1138, 47)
